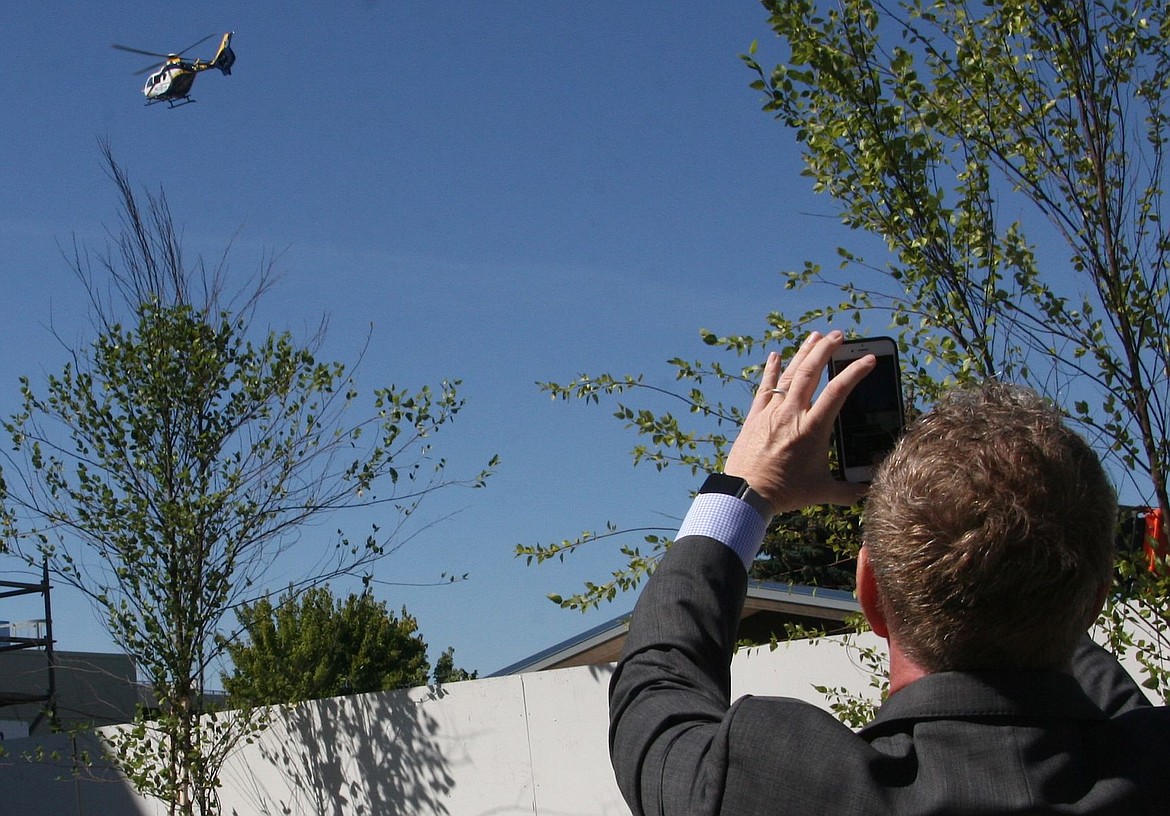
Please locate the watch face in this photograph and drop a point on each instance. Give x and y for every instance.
(740, 489)
(722, 483)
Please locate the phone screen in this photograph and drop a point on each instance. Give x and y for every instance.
(872, 418)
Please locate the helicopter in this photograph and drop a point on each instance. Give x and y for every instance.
(172, 81)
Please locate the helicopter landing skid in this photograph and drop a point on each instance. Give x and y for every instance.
(171, 103)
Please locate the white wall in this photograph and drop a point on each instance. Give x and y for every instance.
(10, 729)
(526, 744)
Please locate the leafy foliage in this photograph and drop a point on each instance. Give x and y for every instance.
(857, 709)
(1133, 619)
(814, 546)
(171, 463)
(1010, 155)
(1054, 111)
(313, 645)
(447, 672)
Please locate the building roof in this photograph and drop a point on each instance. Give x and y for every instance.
(767, 610)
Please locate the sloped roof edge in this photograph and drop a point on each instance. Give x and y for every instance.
(812, 598)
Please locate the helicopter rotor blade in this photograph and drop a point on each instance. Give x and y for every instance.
(139, 51)
(192, 45)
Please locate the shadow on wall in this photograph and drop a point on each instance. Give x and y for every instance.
(308, 762)
(532, 743)
(58, 774)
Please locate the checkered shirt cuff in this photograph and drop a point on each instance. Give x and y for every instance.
(731, 521)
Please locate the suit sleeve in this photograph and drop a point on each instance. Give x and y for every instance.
(670, 692)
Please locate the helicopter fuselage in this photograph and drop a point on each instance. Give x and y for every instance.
(170, 83)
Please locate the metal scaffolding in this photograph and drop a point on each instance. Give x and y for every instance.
(10, 641)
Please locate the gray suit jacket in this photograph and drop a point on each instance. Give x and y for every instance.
(949, 743)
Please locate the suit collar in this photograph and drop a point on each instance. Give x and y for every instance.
(979, 695)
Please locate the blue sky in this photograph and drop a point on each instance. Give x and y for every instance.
(507, 193)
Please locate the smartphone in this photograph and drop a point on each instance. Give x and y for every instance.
(873, 415)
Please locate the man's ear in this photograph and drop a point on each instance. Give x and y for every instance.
(868, 596)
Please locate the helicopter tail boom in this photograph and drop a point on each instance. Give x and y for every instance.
(224, 57)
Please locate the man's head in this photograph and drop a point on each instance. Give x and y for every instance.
(990, 534)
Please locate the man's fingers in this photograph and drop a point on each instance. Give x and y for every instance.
(776, 380)
(839, 387)
(768, 381)
(785, 381)
(803, 375)
(799, 380)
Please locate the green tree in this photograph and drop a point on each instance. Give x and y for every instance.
(170, 464)
(447, 672)
(1010, 155)
(815, 547)
(311, 645)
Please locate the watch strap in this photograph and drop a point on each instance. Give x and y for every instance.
(735, 486)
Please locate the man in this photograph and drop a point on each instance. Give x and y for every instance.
(987, 554)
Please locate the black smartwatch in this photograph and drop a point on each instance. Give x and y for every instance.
(735, 486)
